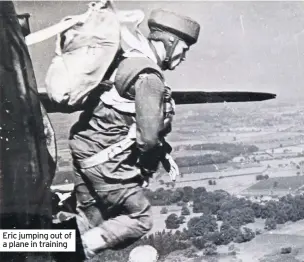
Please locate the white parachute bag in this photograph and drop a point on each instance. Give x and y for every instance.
(87, 45)
(84, 52)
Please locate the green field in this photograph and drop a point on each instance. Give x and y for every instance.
(268, 245)
(282, 183)
(291, 228)
(263, 248)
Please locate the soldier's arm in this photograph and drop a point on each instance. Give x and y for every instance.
(149, 103)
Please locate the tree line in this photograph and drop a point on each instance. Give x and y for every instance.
(224, 152)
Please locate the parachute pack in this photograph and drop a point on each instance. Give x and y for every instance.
(83, 54)
(86, 46)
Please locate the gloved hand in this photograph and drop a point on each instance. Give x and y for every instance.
(145, 179)
(171, 167)
(145, 183)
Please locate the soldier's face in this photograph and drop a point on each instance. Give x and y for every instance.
(179, 54)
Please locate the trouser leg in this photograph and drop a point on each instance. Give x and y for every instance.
(117, 212)
(131, 217)
(128, 217)
(88, 207)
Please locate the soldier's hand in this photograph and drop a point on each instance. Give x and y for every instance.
(171, 167)
(145, 179)
(145, 183)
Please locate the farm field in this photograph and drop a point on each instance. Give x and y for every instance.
(264, 248)
(267, 246)
(233, 185)
(291, 228)
(282, 183)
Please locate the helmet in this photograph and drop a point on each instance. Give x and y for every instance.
(144, 253)
(183, 27)
(169, 27)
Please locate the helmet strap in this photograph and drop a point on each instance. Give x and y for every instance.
(170, 42)
(169, 53)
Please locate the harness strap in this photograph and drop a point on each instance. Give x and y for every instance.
(53, 30)
(110, 152)
(127, 71)
(113, 99)
(106, 154)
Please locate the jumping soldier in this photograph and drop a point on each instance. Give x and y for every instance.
(113, 211)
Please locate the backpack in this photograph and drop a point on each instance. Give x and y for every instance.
(86, 47)
(84, 53)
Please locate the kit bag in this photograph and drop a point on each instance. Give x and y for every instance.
(84, 52)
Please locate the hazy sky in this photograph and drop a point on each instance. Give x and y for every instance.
(243, 45)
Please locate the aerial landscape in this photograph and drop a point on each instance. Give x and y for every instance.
(240, 193)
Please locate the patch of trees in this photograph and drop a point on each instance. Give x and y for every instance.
(164, 210)
(160, 197)
(163, 197)
(238, 217)
(210, 249)
(270, 224)
(219, 205)
(204, 229)
(262, 177)
(202, 226)
(239, 212)
(226, 151)
(182, 219)
(170, 184)
(288, 208)
(173, 221)
(223, 147)
(211, 182)
(185, 211)
(203, 159)
(286, 250)
(229, 233)
(217, 202)
(244, 235)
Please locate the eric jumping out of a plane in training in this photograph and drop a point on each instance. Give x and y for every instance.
(113, 209)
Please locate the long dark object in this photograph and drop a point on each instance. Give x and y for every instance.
(198, 97)
(180, 97)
